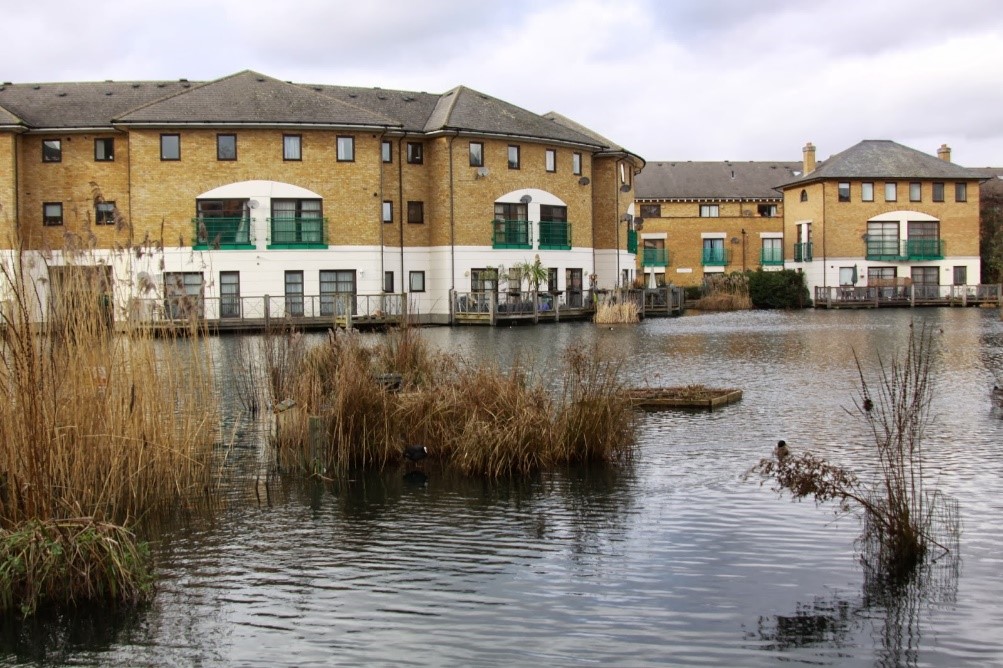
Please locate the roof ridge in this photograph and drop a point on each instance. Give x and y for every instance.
(197, 86)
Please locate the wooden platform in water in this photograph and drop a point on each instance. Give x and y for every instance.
(689, 396)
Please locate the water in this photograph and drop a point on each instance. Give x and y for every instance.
(674, 559)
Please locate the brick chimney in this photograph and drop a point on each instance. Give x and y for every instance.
(809, 157)
(944, 153)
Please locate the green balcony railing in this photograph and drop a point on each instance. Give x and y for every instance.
(292, 232)
(221, 233)
(632, 241)
(714, 257)
(771, 257)
(555, 235)
(884, 249)
(655, 257)
(510, 234)
(924, 249)
(802, 252)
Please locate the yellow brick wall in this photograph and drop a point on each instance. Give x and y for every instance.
(845, 223)
(166, 190)
(76, 181)
(8, 187)
(610, 203)
(795, 210)
(682, 225)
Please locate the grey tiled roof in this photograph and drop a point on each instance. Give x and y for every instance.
(993, 184)
(249, 97)
(668, 180)
(81, 105)
(882, 158)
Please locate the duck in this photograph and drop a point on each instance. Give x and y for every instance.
(781, 451)
(415, 453)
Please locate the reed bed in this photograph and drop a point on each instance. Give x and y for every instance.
(114, 427)
(480, 420)
(725, 292)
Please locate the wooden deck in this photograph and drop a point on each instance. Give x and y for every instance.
(907, 296)
(507, 308)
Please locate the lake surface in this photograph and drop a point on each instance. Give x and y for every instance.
(673, 559)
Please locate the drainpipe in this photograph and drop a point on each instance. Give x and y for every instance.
(400, 200)
(379, 216)
(825, 258)
(616, 218)
(452, 219)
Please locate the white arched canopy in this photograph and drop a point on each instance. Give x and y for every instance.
(536, 196)
(259, 190)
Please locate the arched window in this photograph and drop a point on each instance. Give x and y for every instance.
(804, 195)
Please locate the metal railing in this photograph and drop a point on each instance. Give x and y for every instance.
(771, 256)
(902, 250)
(510, 234)
(714, 256)
(234, 309)
(293, 232)
(555, 235)
(655, 257)
(906, 295)
(803, 252)
(221, 233)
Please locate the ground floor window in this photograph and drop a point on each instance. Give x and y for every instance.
(552, 279)
(961, 275)
(388, 281)
(229, 294)
(416, 281)
(337, 292)
(573, 285)
(183, 294)
(484, 280)
(294, 293)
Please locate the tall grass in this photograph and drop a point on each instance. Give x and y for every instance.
(480, 420)
(725, 292)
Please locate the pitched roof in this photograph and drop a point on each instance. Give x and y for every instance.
(561, 119)
(409, 109)
(688, 180)
(81, 105)
(467, 109)
(882, 158)
(8, 119)
(249, 97)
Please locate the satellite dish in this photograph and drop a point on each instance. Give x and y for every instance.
(625, 188)
(482, 172)
(252, 204)
(584, 181)
(526, 199)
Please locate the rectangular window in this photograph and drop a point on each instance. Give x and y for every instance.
(416, 212)
(388, 211)
(554, 213)
(925, 276)
(292, 147)
(183, 294)
(511, 211)
(104, 213)
(294, 293)
(387, 151)
(484, 280)
(576, 164)
(915, 191)
(229, 294)
(104, 150)
(551, 160)
(52, 213)
(960, 192)
(346, 149)
(709, 211)
(337, 292)
(938, 191)
(924, 229)
(415, 153)
(573, 284)
(843, 190)
(767, 210)
(867, 191)
(713, 252)
(552, 279)
(513, 157)
(891, 192)
(773, 250)
(52, 150)
(297, 221)
(388, 281)
(846, 275)
(170, 147)
(476, 154)
(226, 147)
(883, 239)
(651, 211)
(416, 281)
(961, 275)
(880, 274)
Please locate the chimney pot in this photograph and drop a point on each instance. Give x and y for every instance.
(944, 153)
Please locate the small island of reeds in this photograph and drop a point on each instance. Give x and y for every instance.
(686, 396)
(477, 419)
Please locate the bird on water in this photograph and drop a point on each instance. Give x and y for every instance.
(415, 453)
(781, 451)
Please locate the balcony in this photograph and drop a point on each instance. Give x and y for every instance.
(802, 252)
(924, 249)
(771, 257)
(632, 241)
(714, 257)
(510, 234)
(884, 250)
(655, 257)
(555, 235)
(292, 232)
(221, 233)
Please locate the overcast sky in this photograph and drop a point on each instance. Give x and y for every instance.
(669, 80)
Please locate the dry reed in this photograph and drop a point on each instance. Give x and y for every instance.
(725, 292)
